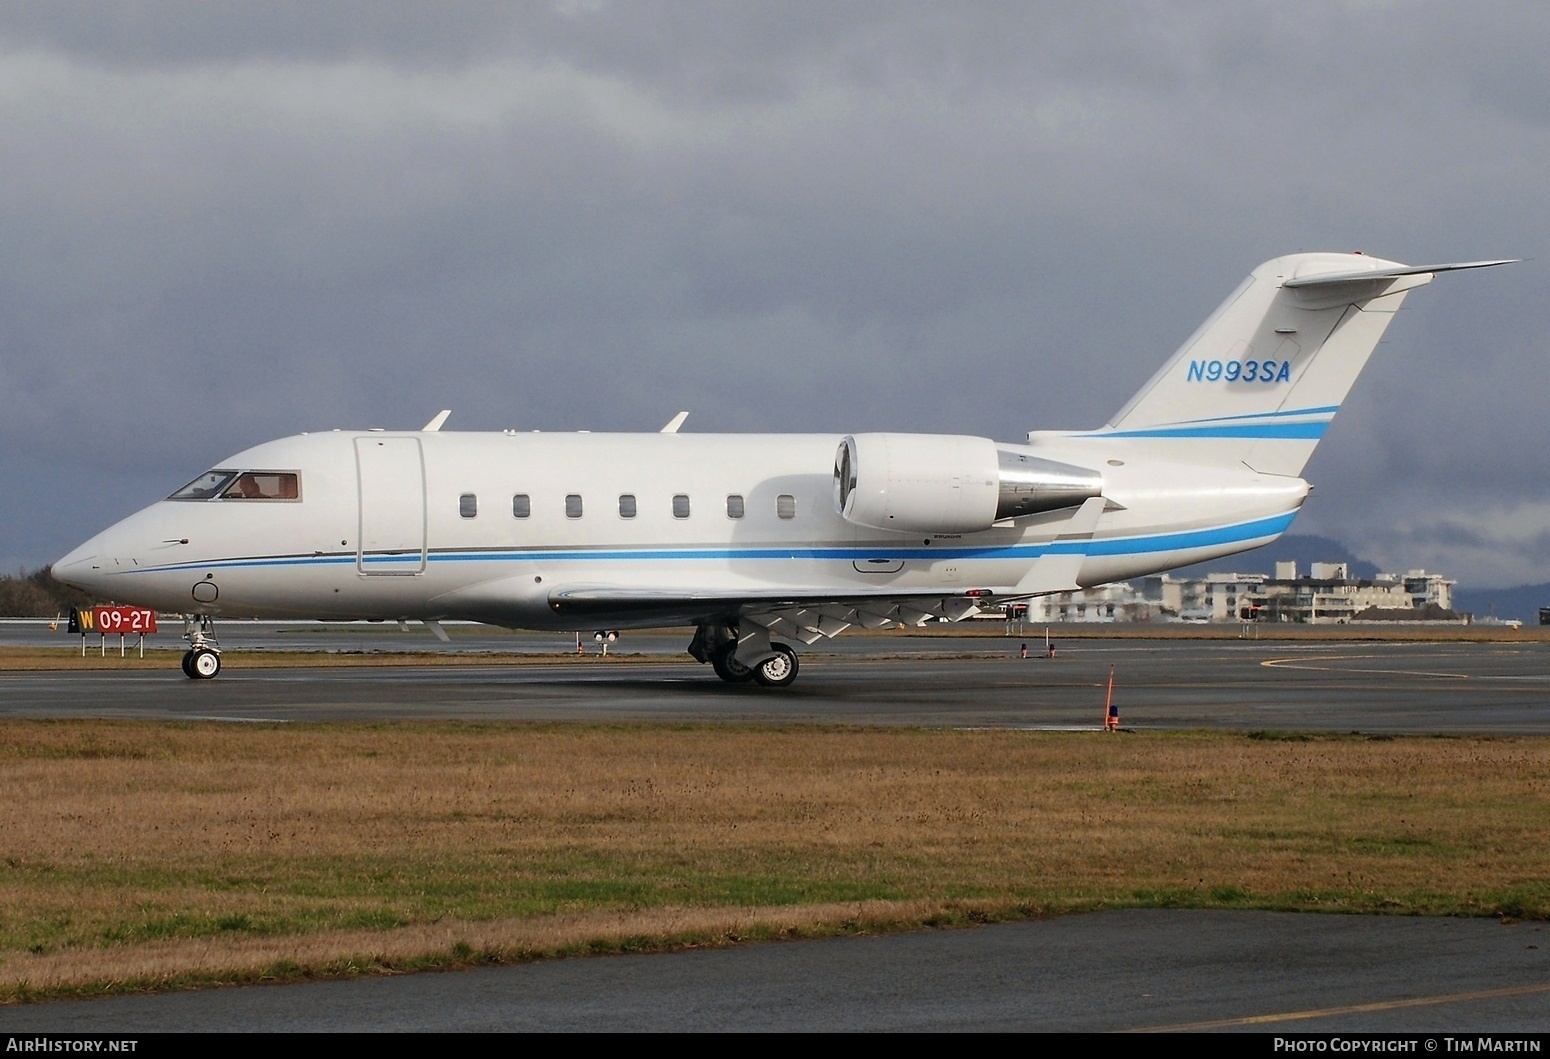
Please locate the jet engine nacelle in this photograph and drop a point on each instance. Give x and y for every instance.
(949, 483)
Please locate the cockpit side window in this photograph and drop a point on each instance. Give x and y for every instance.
(264, 485)
(204, 487)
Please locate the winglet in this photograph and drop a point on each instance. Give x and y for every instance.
(435, 424)
(674, 423)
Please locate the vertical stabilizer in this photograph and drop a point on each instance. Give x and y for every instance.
(1261, 380)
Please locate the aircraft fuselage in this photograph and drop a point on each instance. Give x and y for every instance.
(475, 526)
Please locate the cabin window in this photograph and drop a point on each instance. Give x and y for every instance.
(681, 505)
(573, 505)
(627, 505)
(264, 485)
(468, 505)
(735, 506)
(786, 506)
(205, 487)
(521, 506)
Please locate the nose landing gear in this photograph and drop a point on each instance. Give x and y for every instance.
(202, 661)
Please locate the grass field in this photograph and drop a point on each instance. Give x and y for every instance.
(154, 855)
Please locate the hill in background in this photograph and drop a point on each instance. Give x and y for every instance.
(1304, 549)
(1521, 602)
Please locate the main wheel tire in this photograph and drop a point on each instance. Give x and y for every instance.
(188, 656)
(204, 664)
(728, 668)
(778, 671)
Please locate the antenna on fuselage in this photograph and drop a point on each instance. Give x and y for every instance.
(435, 424)
(674, 423)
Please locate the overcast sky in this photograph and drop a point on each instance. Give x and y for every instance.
(222, 223)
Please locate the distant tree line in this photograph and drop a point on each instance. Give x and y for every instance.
(38, 595)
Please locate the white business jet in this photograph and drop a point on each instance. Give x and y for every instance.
(752, 537)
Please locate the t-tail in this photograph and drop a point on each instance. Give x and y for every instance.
(1260, 382)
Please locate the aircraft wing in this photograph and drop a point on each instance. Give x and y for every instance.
(804, 615)
(810, 614)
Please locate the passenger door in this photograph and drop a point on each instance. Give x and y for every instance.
(391, 472)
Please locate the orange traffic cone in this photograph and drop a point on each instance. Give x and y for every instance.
(1110, 708)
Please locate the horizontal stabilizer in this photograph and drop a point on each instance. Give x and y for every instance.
(1330, 278)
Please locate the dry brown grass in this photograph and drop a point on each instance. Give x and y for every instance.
(141, 852)
(234, 959)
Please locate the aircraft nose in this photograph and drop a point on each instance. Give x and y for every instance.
(80, 568)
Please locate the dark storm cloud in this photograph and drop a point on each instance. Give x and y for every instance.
(230, 222)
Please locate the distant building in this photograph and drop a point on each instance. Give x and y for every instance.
(1121, 601)
(1328, 595)
(1425, 588)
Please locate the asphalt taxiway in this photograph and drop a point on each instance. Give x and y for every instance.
(1368, 686)
(1122, 970)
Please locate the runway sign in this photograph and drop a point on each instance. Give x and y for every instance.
(126, 621)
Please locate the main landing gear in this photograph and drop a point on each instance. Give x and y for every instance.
(202, 661)
(751, 657)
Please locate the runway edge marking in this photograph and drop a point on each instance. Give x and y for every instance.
(1298, 663)
(1353, 1009)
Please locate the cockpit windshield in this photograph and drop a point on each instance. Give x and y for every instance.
(204, 487)
(242, 485)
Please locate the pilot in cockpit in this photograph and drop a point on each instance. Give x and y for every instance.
(246, 487)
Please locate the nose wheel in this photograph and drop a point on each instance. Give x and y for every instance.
(202, 660)
(201, 663)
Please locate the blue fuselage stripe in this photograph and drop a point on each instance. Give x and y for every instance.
(1162, 542)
